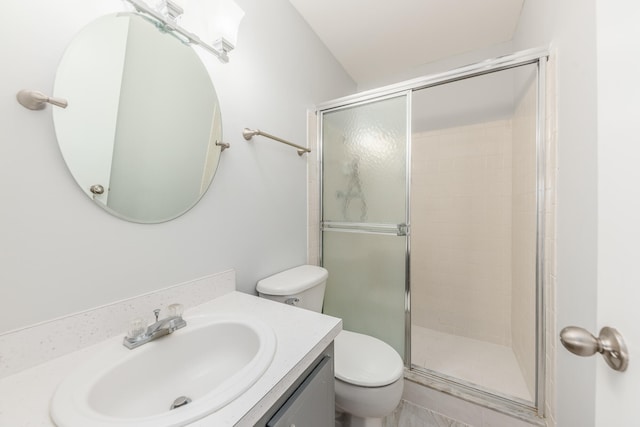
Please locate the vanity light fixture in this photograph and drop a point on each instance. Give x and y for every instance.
(194, 20)
(224, 22)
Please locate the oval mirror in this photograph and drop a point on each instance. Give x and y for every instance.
(141, 129)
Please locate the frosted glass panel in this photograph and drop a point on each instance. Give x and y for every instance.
(366, 284)
(364, 158)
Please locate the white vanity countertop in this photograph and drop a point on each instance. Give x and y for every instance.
(301, 336)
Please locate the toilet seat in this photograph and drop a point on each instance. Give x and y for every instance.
(366, 361)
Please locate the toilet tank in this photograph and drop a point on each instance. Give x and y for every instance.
(302, 286)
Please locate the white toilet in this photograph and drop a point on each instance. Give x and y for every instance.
(368, 372)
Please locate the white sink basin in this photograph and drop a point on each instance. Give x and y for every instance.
(212, 361)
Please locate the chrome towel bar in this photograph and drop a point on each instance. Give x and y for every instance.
(250, 133)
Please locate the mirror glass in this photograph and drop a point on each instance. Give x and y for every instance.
(143, 119)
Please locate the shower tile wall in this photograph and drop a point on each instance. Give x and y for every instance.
(461, 231)
(523, 237)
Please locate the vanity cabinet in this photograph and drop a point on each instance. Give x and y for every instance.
(310, 401)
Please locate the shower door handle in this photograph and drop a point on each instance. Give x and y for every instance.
(366, 227)
(609, 343)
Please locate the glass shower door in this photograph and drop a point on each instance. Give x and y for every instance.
(450, 172)
(364, 216)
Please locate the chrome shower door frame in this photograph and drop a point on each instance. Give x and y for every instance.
(533, 413)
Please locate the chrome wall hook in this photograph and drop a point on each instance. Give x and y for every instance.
(34, 100)
(609, 343)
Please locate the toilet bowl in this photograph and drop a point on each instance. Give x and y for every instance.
(369, 379)
(368, 372)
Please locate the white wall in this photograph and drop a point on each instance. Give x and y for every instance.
(618, 203)
(570, 26)
(59, 253)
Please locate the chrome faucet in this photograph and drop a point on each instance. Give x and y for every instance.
(139, 334)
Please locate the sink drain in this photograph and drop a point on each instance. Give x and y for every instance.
(180, 401)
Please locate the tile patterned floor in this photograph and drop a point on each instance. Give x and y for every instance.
(409, 415)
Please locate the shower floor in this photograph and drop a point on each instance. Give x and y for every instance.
(490, 366)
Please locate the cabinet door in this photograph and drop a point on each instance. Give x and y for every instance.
(312, 404)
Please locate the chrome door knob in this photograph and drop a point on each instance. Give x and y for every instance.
(609, 343)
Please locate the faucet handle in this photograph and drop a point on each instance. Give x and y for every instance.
(156, 313)
(137, 328)
(175, 310)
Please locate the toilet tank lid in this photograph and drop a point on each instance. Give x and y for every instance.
(293, 281)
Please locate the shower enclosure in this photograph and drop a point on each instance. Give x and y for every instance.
(431, 197)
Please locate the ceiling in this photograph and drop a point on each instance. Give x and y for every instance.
(375, 39)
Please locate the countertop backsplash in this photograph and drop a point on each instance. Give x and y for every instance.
(30, 346)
